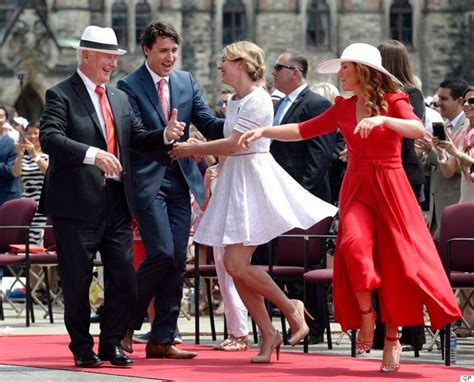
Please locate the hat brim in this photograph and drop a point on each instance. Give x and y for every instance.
(333, 66)
(118, 52)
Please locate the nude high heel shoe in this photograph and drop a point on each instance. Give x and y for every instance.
(297, 321)
(365, 346)
(263, 357)
(384, 368)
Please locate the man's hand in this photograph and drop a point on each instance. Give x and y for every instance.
(249, 136)
(108, 163)
(175, 129)
(424, 144)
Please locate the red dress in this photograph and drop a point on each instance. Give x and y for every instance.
(383, 241)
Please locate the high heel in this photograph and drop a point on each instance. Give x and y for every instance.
(365, 346)
(384, 368)
(297, 320)
(266, 358)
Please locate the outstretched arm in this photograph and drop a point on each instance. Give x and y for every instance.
(225, 146)
(287, 133)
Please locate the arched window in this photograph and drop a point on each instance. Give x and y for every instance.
(401, 22)
(317, 28)
(233, 28)
(7, 10)
(142, 18)
(120, 22)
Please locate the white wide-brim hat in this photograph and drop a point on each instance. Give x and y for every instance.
(99, 39)
(361, 53)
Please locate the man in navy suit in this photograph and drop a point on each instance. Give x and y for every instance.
(88, 129)
(161, 185)
(306, 161)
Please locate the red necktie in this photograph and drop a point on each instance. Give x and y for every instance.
(108, 119)
(161, 95)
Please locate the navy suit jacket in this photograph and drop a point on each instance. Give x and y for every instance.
(69, 126)
(307, 161)
(148, 169)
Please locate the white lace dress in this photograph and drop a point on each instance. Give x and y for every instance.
(256, 200)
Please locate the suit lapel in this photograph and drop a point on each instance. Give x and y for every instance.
(149, 87)
(294, 106)
(84, 97)
(176, 88)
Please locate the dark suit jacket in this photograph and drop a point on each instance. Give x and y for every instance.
(410, 161)
(69, 126)
(148, 169)
(307, 161)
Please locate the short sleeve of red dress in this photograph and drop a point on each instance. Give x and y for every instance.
(321, 124)
(399, 106)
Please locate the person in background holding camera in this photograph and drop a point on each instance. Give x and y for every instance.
(457, 158)
(445, 191)
(31, 164)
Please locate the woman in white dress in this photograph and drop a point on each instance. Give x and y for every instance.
(255, 200)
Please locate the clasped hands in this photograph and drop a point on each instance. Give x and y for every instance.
(111, 166)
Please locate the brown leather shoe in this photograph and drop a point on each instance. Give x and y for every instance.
(167, 351)
(127, 341)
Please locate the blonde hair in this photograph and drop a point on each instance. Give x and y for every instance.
(325, 89)
(251, 54)
(374, 84)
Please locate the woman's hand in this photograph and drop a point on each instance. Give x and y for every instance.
(20, 150)
(449, 147)
(182, 150)
(366, 125)
(250, 136)
(210, 175)
(30, 148)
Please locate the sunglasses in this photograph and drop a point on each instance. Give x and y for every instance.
(279, 67)
(469, 101)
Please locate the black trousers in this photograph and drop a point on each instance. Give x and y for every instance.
(77, 241)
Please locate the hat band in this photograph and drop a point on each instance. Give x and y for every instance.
(97, 45)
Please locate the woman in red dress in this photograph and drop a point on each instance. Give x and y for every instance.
(383, 241)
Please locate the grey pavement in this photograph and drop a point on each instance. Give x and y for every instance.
(13, 325)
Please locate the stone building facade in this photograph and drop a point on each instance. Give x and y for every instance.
(36, 35)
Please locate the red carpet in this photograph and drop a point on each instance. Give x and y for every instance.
(52, 352)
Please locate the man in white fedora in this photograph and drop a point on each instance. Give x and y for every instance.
(87, 129)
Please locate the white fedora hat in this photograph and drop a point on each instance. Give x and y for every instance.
(99, 39)
(361, 53)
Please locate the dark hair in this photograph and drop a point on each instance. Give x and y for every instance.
(470, 88)
(32, 125)
(4, 108)
(217, 110)
(299, 60)
(457, 86)
(396, 60)
(158, 29)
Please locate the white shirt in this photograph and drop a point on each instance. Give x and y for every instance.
(92, 151)
(292, 97)
(166, 91)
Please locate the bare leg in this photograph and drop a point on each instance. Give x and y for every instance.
(391, 349)
(365, 339)
(253, 285)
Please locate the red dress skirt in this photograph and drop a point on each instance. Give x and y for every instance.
(383, 242)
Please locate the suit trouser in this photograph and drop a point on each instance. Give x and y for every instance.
(77, 242)
(164, 228)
